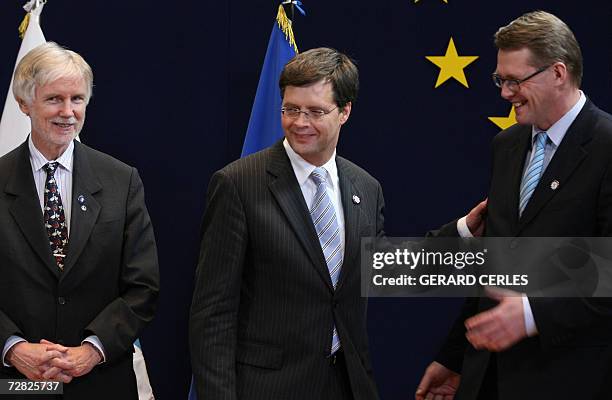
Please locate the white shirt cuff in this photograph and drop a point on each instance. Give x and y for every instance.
(10, 342)
(463, 229)
(95, 341)
(530, 325)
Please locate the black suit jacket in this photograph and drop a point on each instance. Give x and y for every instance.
(570, 358)
(264, 306)
(110, 281)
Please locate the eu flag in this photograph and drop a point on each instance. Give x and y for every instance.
(264, 124)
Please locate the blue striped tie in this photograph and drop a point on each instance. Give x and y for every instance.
(533, 173)
(326, 224)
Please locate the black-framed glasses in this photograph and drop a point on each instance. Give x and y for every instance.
(514, 84)
(313, 114)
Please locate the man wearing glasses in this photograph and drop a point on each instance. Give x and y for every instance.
(277, 311)
(551, 177)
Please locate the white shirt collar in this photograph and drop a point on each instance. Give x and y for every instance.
(38, 159)
(303, 168)
(558, 130)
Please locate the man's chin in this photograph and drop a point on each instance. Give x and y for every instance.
(300, 146)
(65, 137)
(523, 119)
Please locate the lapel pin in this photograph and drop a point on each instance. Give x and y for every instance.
(81, 200)
(554, 185)
(356, 199)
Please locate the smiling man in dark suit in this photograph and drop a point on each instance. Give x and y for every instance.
(277, 311)
(79, 275)
(551, 177)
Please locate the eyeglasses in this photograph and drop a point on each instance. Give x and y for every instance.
(514, 84)
(314, 114)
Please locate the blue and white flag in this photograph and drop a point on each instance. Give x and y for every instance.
(264, 125)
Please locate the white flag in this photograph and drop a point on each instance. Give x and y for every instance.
(15, 125)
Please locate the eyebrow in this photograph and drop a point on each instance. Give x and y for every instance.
(506, 77)
(52, 95)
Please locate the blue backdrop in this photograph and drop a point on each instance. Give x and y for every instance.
(174, 85)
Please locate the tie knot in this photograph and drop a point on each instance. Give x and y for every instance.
(318, 175)
(541, 138)
(50, 167)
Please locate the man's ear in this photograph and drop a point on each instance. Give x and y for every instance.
(23, 106)
(560, 71)
(345, 112)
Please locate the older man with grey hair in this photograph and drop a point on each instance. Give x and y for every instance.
(79, 274)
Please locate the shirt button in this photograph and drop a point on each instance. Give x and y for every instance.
(61, 301)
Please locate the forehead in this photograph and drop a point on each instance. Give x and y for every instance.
(319, 93)
(64, 85)
(514, 62)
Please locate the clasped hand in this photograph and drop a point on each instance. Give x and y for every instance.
(52, 361)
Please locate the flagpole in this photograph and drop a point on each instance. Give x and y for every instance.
(292, 10)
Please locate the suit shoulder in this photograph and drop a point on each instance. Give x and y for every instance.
(248, 166)
(603, 124)
(8, 165)
(104, 162)
(355, 171)
(9, 158)
(509, 135)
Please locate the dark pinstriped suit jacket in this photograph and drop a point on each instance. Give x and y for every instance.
(264, 305)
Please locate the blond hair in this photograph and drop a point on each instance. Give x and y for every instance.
(549, 39)
(47, 63)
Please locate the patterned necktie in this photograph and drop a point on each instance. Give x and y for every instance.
(55, 219)
(533, 172)
(326, 224)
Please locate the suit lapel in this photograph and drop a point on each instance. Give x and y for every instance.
(286, 190)
(86, 184)
(352, 211)
(568, 156)
(26, 208)
(516, 166)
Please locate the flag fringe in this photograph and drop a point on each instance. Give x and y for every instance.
(284, 23)
(23, 27)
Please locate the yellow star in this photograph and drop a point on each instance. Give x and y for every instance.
(451, 65)
(505, 122)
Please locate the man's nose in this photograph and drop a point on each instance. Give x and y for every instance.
(67, 109)
(302, 119)
(506, 93)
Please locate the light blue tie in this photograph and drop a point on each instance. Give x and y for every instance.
(533, 173)
(326, 224)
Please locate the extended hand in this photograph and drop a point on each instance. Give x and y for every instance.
(438, 382)
(502, 326)
(75, 361)
(475, 219)
(34, 361)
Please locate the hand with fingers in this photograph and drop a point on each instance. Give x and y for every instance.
(475, 219)
(75, 361)
(34, 360)
(502, 326)
(438, 383)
